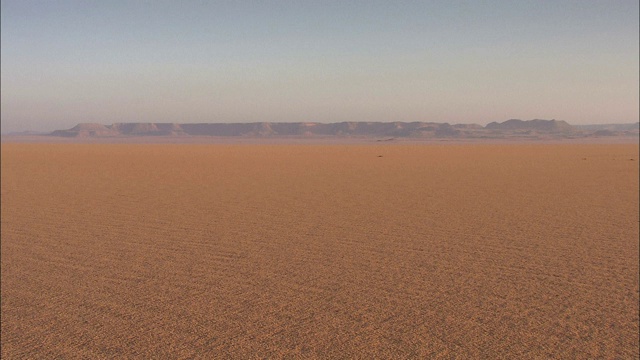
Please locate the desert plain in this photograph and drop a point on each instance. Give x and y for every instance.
(319, 251)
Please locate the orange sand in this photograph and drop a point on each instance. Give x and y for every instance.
(320, 251)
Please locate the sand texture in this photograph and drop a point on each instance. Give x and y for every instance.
(319, 251)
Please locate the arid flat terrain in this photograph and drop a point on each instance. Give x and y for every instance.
(319, 251)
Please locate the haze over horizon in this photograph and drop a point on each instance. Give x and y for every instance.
(68, 62)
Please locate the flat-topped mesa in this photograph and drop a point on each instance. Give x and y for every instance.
(87, 130)
(535, 124)
(148, 129)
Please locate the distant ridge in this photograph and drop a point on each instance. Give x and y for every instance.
(611, 127)
(265, 129)
(87, 129)
(512, 128)
(535, 124)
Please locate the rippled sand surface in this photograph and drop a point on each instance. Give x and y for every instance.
(319, 251)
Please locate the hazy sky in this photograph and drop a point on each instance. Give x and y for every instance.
(65, 62)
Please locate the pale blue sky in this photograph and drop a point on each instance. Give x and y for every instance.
(65, 62)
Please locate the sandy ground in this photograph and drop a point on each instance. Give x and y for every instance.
(314, 140)
(320, 251)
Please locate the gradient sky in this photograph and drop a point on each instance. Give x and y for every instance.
(65, 62)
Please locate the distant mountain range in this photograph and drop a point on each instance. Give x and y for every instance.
(513, 128)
